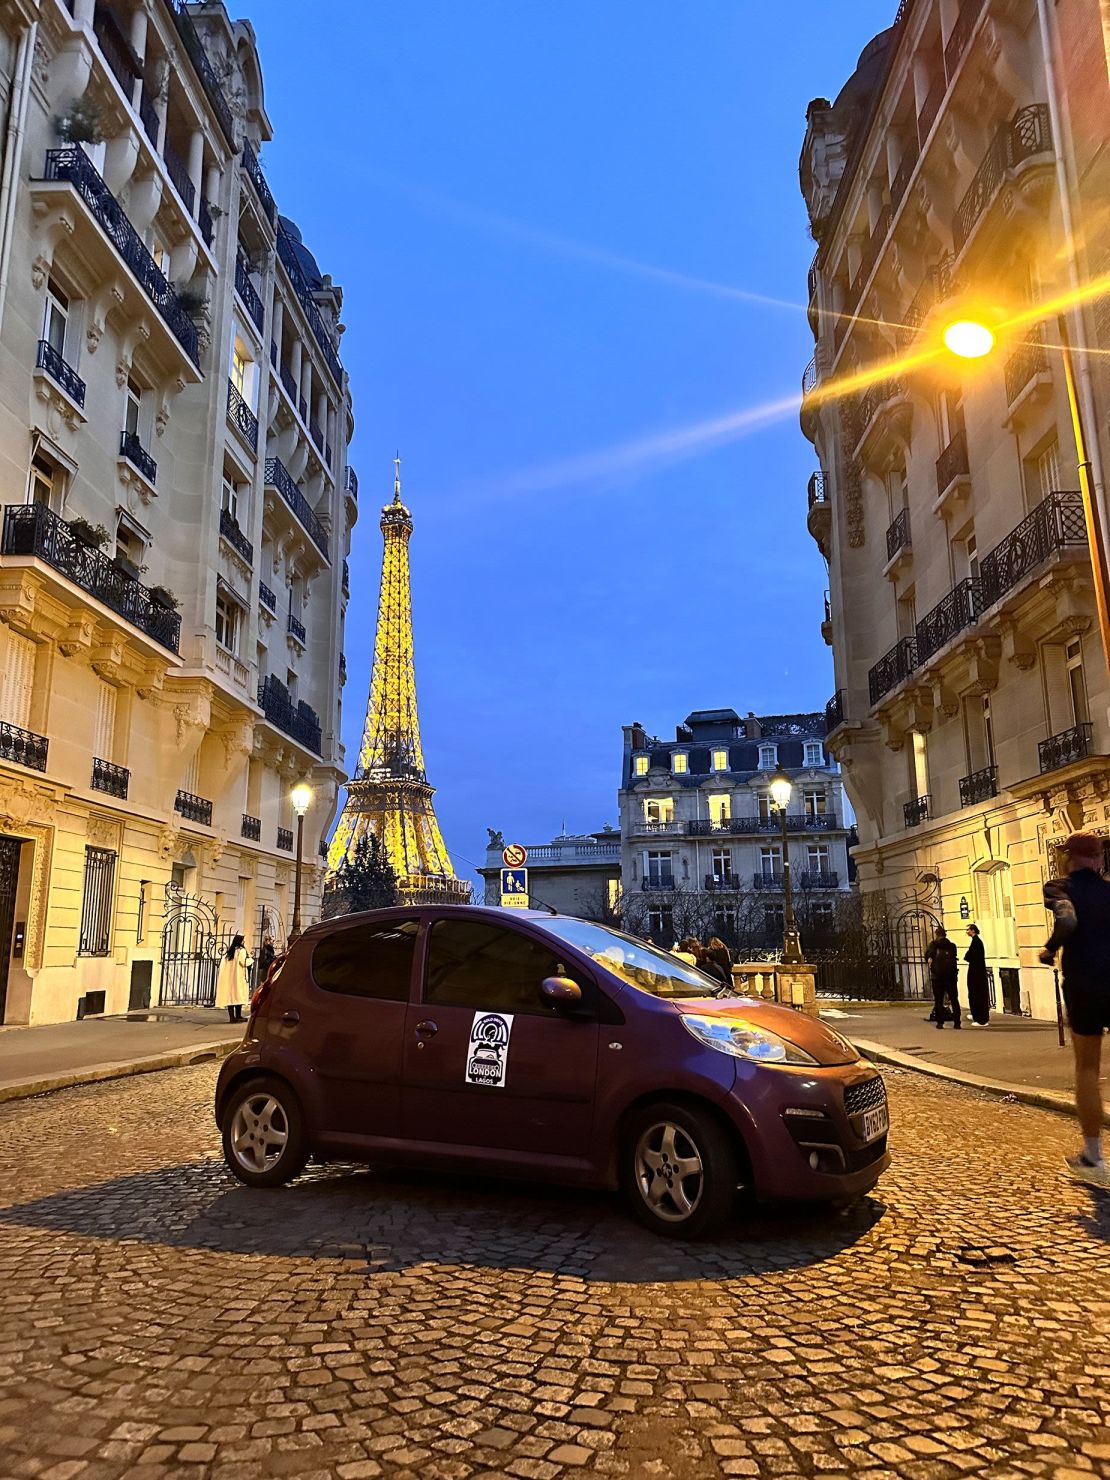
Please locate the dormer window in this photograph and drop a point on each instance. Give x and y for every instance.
(679, 762)
(815, 753)
(639, 765)
(768, 757)
(718, 760)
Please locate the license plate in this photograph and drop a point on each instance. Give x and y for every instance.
(876, 1123)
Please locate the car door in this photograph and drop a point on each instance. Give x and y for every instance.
(351, 1025)
(487, 1064)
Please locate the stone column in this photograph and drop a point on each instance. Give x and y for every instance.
(138, 46)
(196, 165)
(277, 324)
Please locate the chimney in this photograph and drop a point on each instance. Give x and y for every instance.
(639, 736)
(752, 727)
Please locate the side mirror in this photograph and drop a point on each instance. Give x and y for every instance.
(560, 992)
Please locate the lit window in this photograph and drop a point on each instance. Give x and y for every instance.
(640, 765)
(1077, 689)
(814, 802)
(242, 371)
(768, 757)
(659, 809)
(720, 807)
(227, 623)
(817, 858)
(679, 762)
(718, 760)
(814, 753)
(230, 497)
(47, 484)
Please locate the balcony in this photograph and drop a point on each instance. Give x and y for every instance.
(116, 50)
(74, 167)
(136, 454)
(1065, 748)
(883, 401)
(916, 812)
(818, 879)
(343, 673)
(278, 476)
(315, 433)
(23, 747)
(295, 628)
(649, 825)
(767, 880)
(267, 597)
(230, 531)
(49, 360)
(892, 668)
(721, 884)
(247, 291)
(980, 786)
(657, 882)
(810, 378)
(205, 222)
(931, 107)
(254, 174)
(952, 469)
(193, 808)
(1056, 524)
(346, 579)
(110, 779)
(835, 711)
(961, 608)
(285, 839)
(33, 529)
(148, 117)
(898, 538)
(819, 515)
(1026, 135)
(204, 69)
(289, 384)
(251, 828)
(1026, 369)
(350, 483)
(178, 172)
(299, 721)
(957, 41)
(287, 252)
(241, 417)
(935, 286)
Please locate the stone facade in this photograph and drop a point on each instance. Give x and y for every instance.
(957, 172)
(174, 422)
(575, 874)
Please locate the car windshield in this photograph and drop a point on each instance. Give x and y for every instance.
(634, 961)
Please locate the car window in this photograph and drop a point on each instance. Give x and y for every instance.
(367, 961)
(472, 964)
(635, 961)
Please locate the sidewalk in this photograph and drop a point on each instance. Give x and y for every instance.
(34, 1060)
(1011, 1056)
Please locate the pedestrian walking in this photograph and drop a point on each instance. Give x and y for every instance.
(940, 956)
(978, 984)
(1080, 905)
(265, 958)
(233, 980)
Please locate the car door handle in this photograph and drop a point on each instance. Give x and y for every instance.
(291, 1018)
(427, 1029)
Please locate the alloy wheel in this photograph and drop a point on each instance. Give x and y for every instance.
(669, 1171)
(259, 1132)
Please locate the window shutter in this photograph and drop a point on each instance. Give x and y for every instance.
(17, 677)
(105, 731)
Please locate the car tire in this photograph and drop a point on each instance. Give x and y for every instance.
(263, 1133)
(679, 1170)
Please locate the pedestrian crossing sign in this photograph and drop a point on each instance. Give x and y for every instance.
(514, 888)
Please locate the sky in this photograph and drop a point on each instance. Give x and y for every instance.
(573, 253)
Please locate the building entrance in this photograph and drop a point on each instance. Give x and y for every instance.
(9, 880)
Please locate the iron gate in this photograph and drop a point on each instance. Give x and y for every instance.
(193, 944)
(9, 879)
(913, 931)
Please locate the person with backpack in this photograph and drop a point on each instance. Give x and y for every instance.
(940, 957)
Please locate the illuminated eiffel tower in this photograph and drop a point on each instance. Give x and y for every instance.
(389, 795)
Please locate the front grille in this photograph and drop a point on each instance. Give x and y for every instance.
(867, 1095)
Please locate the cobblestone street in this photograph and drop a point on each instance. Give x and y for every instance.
(157, 1319)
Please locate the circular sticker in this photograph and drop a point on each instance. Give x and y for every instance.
(515, 856)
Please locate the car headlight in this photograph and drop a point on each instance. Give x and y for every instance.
(744, 1040)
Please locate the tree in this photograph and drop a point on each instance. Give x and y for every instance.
(365, 881)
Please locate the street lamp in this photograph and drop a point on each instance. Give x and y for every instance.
(781, 791)
(301, 797)
(971, 340)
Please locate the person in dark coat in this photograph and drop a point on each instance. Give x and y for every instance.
(978, 986)
(940, 957)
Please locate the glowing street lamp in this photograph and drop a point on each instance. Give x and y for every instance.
(968, 339)
(301, 797)
(782, 789)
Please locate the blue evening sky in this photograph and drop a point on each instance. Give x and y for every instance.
(540, 212)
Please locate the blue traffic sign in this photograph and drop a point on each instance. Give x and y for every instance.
(514, 881)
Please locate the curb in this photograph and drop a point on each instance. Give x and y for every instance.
(23, 1089)
(1042, 1099)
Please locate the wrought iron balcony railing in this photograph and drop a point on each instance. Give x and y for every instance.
(818, 879)
(251, 828)
(33, 529)
(178, 172)
(287, 252)
(810, 377)
(892, 668)
(204, 69)
(874, 398)
(315, 433)
(916, 812)
(657, 882)
(346, 578)
(204, 220)
(910, 155)
(247, 291)
(285, 838)
(23, 747)
(818, 490)
(299, 721)
(1064, 748)
(111, 779)
(258, 180)
(771, 880)
(835, 711)
(148, 116)
(266, 596)
(342, 668)
(898, 535)
(193, 808)
(296, 628)
(964, 24)
(75, 166)
(960, 608)
(721, 883)
(1056, 523)
(1028, 360)
(60, 372)
(980, 786)
(952, 463)
(136, 454)
(241, 416)
(350, 482)
(116, 50)
(279, 477)
(231, 532)
(1028, 133)
(934, 286)
(285, 375)
(931, 107)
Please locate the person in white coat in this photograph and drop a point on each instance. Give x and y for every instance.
(233, 981)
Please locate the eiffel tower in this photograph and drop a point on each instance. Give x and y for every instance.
(389, 794)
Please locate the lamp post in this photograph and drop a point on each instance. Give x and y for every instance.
(781, 792)
(301, 797)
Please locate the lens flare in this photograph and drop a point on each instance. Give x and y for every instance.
(969, 339)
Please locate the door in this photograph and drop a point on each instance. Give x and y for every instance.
(487, 1065)
(9, 878)
(350, 1022)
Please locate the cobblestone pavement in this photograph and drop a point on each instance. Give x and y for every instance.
(157, 1319)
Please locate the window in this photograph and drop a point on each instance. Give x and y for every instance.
(17, 677)
(763, 806)
(971, 557)
(919, 765)
(768, 757)
(718, 760)
(722, 864)
(190, 782)
(659, 809)
(814, 802)
(96, 902)
(242, 371)
(814, 753)
(640, 765)
(132, 409)
(680, 763)
(821, 913)
(950, 416)
(471, 964)
(227, 622)
(367, 961)
(817, 858)
(1077, 688)
(130, 545)
(658, 870)
(55, 318)
(988, 729)
(160, 252)
(231, 496)
(774, 922)
(720, 807)
(47, 484)
(770, 862)
(104, 721)
(661, 925)
(1048, 469)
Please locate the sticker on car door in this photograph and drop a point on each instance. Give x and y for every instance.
(487, 1058)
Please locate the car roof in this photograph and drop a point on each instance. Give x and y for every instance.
(485, 912)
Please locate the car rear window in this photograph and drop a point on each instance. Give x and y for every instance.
(367, 961)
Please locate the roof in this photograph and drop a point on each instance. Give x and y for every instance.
(712, 716)
(304, 257)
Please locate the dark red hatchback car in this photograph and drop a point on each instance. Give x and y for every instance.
(546, 1047)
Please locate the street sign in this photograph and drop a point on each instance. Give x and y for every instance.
(965, 909)
(514, 887)
(515, 856)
